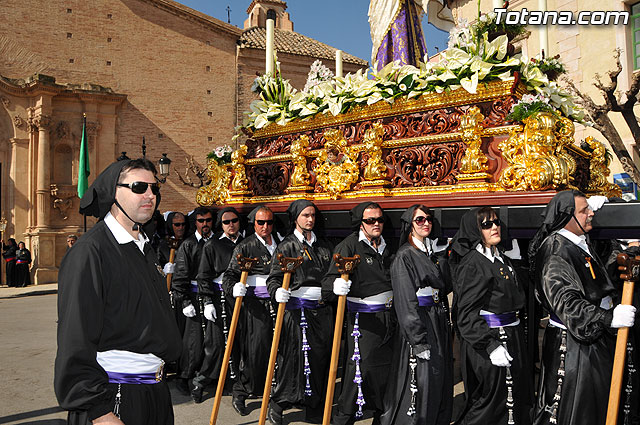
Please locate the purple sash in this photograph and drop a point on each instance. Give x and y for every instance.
(258, 291)
(296, 303)
(555, 318)
(194, 288)
(133, 378)
(366, 308)
(502, 319)
(426, 301)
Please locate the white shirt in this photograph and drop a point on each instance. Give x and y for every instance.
(271, 248)
(121, 234)
(381, 247)
(489, 253)
(302, 239)
(419, 243)
(224, 235)
(581, 240)
(199, 236)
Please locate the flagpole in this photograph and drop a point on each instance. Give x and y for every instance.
(83, 165)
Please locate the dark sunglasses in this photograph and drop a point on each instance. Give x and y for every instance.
(204, 220)
(263, 222)
(373, 220)
(489, 223)
(422, 219)
(179, 224)
(231, 220)
(141, 187)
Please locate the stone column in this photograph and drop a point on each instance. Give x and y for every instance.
(43, 190)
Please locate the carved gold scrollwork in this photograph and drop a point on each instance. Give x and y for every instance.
(473, 164)
(599, 171)
(240, 184)
(300, 177)
(375, 172)
(216, 192)
(537, 158)
(336, 167)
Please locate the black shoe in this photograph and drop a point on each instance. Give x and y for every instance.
(196, 393)
(274, 416)
(238, 405)
(183, 386)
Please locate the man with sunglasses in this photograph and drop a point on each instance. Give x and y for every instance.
(185, 284)
(215, 258)
(574, 287)
(255, 328)
(369, 312)
(305, 345)
(115, 325)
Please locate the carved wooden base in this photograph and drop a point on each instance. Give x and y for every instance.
(474, 177)
(375, 183)
(299, 189)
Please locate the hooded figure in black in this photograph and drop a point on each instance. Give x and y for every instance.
(423, 358)
(371, 321)
(115, 324)
(305, 346)
(573, 286)
(487, 301)
(9, 256)
(215, 258)
(255, 326)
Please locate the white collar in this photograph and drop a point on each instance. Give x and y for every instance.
(121, 234)
(199, 236)
(489, 253)
(381, 247)
(271, 248)
(224, 235)
(302, 239)
(579, 240)
(421, 245)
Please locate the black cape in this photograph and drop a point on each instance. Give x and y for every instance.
(420, 328)
(290, 378)
(110, 297)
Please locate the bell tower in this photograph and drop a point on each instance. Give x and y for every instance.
(260, 10)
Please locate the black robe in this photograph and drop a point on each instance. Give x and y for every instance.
(480, 284)
(255, 324)
(290, 378)
(187, 262)
(215, 258)
(567, 289)
(23, 259)
(421, 328)
(376, 342)
(9, 256)
(110, 297)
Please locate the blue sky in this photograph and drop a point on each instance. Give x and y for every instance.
(342, 24)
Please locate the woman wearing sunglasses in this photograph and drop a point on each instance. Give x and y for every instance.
(422, 392)
(487, 301)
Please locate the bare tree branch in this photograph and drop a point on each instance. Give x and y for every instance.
(197, 171)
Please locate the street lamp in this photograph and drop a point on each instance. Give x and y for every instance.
(164, 164)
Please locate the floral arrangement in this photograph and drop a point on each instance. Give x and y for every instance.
(317, 74)
(529, 105)
(471, 59)
(222, 154)
(551, 67)
(488, 23)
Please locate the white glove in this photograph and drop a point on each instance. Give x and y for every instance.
(210, 312)
(596, 202)
(500, 357)
(623, 316)
(341, 286)
(282, 295)
(424, 355)
(239, 290)
(514, 252)
(189, 311)
(168, 268)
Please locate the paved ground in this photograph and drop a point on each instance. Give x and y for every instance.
(27, 352)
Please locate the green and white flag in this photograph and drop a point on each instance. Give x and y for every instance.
(83, 163)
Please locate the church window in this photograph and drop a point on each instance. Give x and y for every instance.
(210, 139)
(271, 14)
(208, 91)
(108, 63)
(109, 16)
(108, 39)
(71, 60)
(635, 31)
(69, 11)
(208, 68)
(210, 113)
(69, 35)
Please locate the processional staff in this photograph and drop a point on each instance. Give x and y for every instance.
(173, 245)
(629, 271)
(288, 265)
(246, 264)
(345, 265)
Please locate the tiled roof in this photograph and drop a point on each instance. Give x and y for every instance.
(273, 2)
(295, 44)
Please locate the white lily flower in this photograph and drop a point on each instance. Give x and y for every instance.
(470, 84)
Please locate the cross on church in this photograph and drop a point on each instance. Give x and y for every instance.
(228, 14)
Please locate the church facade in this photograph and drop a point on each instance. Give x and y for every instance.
(137, 68)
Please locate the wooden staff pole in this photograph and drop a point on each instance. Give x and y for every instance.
(345, 266)
(246, 264)
(287, 265)
(629, 273)
(173, 245)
